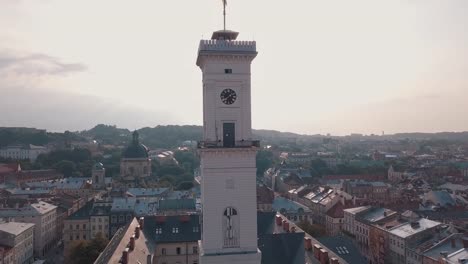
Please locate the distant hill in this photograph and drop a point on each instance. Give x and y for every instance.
(173, 135)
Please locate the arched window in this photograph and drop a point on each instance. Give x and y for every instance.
(230, 228)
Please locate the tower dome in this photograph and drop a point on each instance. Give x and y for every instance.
(98, 166)
(135, 150)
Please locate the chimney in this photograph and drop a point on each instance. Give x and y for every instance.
(452, 241)
(444, 254)
(278, 220)
(465, 242)
(137, 232)
(142, 222)
(286, 226)
(149, 259)
(132, 242)
(125, 256)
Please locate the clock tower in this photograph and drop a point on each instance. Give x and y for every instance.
(227, 152)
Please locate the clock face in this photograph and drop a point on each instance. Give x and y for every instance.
(228, 96)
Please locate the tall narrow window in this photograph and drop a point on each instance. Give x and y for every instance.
(230, 228)
(227, 71)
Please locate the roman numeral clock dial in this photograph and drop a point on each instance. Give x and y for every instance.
(228, 96)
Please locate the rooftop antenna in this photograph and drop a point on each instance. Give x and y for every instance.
(224, 13)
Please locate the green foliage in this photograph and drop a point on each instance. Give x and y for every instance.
(265, 159)
(74, 162)
(169, 136)
(312, 229)
(85, 252)
(185, 185)
(68, 168)
(187, 159)
(318, 168)
(22, 136)
(108, 134)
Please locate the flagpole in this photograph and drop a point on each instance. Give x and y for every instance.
(224, 14)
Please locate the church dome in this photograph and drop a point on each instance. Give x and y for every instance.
(135, 150)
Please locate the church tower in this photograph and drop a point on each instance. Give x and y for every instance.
(98, 176)
(227, 152)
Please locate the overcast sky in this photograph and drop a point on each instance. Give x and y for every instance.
(339, 67)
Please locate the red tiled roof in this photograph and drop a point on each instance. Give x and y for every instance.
(336, 211)
(8, 168)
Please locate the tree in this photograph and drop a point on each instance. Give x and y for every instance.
(66, 167)
(84, 252)
(265, 159)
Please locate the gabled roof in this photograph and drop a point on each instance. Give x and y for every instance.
(181, 228)
(278, 248)
(336, 211)
(177, 204)
(82, 213)
(147, 191)
(281, 204)
(337, 243)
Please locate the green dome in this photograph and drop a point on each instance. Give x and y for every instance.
(135, 150)
(98, 166)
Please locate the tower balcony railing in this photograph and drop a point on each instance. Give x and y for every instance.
(221, 144)
(227, 45)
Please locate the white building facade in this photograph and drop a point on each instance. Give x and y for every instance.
(30, 152)
(227, 152)
(19, 237)
(44, 217)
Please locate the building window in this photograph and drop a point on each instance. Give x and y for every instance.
(227, 71)
(178, 251)
(71, 227)
(77, 227)
(84, 226)
(121, 218)
(158, 231)
(84, 237)
(114, 219)
(94, 227)
(163, 251)
(195, 229)
(195, 250)
(175, 230)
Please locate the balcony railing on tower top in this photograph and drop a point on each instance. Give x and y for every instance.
(237, 144)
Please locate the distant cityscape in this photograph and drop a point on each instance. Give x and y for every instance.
(357, 199)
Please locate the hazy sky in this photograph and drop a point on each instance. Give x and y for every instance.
(323, 66)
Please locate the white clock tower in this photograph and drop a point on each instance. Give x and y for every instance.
(227, 152)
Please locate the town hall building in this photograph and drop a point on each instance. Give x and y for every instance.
(227, 152)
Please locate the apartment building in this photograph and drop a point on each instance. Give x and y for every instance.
(44, 217)
(17, 241)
